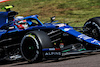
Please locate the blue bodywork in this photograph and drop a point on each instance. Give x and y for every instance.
(66, 28)
(3, 18)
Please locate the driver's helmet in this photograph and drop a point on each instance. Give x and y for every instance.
(21, 24)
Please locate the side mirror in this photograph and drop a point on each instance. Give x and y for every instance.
(52, 19)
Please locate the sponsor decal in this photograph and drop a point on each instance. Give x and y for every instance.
(53, 53)
(61, 25)
(95, 41)
(67, 29)
(50, 49)
(84, 37)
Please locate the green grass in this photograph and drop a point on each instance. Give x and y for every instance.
(76, 11)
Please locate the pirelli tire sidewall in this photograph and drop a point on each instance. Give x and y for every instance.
(41, 41)
(93, 22)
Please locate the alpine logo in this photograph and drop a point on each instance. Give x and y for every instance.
(53, 53)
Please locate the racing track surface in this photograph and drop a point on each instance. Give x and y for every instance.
(85, 60)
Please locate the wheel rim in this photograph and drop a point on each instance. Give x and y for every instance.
(29, 48)
(92, 31)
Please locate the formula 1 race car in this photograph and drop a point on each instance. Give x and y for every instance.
(28, 38)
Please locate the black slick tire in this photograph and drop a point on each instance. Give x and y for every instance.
(32, 44)
(92, 28)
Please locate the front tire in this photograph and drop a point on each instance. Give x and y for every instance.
(92, 28)
(33, 43)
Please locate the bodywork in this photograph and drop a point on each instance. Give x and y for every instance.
(11, 36)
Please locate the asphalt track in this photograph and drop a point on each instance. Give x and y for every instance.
(84, 60)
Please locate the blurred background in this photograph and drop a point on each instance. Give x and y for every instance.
(76, 11)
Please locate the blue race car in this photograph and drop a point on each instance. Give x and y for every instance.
(28, 38)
